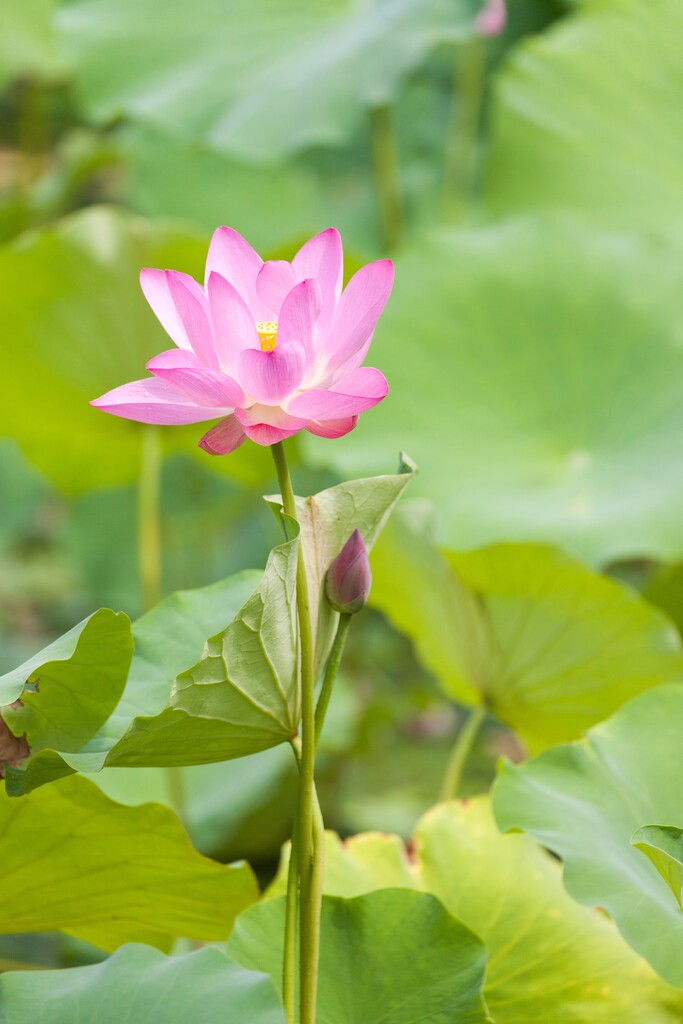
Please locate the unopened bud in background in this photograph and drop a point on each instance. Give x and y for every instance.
(349, 577)
(491, 19)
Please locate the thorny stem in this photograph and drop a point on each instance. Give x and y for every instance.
(461, 751)
(308, 819)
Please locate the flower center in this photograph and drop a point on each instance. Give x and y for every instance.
(267, 334)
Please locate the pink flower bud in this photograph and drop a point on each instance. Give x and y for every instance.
(349, 577)
(491, 19)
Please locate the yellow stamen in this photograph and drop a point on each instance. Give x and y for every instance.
(267, 334)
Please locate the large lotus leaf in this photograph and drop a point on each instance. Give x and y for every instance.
(76, 861)
(587, 117)
(327, 521)
(391, 955)
(537, 370)
(79, 324)
(138, 984)
(510, 891)
(167, 640)
(28, 41)
(258, 79)
(64, 694)
(664, 846)
(585, 801)
(547, 645)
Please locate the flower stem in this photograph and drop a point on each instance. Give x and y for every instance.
(387, 175)
(310, 850)
(292, 911)
(331, 673)
(461, 154)
(461, 751)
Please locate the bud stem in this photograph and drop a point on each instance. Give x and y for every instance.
(333, 663)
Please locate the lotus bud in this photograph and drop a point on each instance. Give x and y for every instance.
(349, 577)
(491, 19)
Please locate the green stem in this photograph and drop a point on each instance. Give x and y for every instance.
(387, 175)
(149, 517)
(461, 153)
(310, 852)
(292, 910)
(461, 751)
(333, 663)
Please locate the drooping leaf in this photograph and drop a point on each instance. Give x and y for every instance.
(510, 891)
(585, 801)
(603, 89)
(76, 861)
(80, 326)
(167, 640)
(139, 984)
(66, 692)
(327, 521)
(549, 646)
(546, 412)
(392, 955)
(258, 94)
(663, 844)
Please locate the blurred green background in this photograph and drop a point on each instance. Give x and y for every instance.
(529, 187)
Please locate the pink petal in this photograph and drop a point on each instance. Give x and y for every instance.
(355, 393)
(297, 318)
(266, 424)
(234, 327)
(275, 279)
(192, 312)
(154, 284)
(331, 428)
(154, 401)
(357, 311)
(225, 437)
(201, 386)
(233, 258)
(321, 258)
(270, 377)
(172, 358)
(492, 18)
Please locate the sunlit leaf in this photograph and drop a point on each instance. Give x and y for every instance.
(392, 956)
(664, 846)
(76, 861)
(587, 117)
(585, 801)
(140, 984)
(250, 90)
(79, 324)
(510, 891)
(547, 645)
(29, 44)
(536, 373)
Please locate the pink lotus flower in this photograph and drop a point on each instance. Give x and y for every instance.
(272, 348)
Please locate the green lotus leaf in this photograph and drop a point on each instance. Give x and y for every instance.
(76, 861)
(255, 92)
(391, 955)
(585, 800)
(663, 844)
(29, 43)
(549, 958)
(64, 694)
(601, 90)
(80, 326)
(167, 640)
(536, 369)
(140, 984)
(545, 644)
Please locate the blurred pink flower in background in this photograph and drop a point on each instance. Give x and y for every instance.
(270, 347)
(491, 19)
